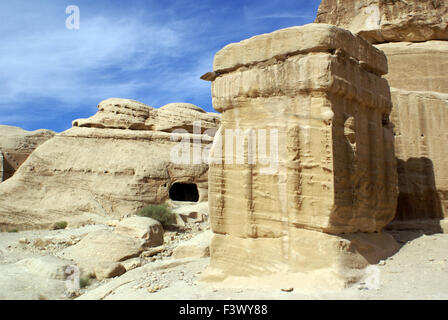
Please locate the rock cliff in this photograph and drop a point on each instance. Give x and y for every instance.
(16, 145)
(109, 165)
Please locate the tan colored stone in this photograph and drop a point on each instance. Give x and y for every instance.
(149, 252)
(302, 256)
(419, 66)
(309, 38)
(101, 248)
(131, 264)
(147, 229)
(421, 148)
(16, 145)
(97, 170)
(196, 247)
(175, 116)
(322, 181)
(128, 114)
(330, 170)
(34, 278)
(105, 270)
(49, 267)
(118, 113)
(191, 213)
(381, 21)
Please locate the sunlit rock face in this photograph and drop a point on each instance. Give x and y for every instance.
(413, 34)
(16, 145)
(419, 66)
(381, 21)
(308, 109)
(111, 165)
(421, 136)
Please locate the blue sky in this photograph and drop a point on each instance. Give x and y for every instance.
(150, 51)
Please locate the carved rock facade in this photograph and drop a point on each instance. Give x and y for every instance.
(310, 113)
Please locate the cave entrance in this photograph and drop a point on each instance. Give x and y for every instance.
(184, 192)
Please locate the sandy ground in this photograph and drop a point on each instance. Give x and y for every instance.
(418, 271)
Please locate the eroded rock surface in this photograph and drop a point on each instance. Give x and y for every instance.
(36, 278)
(147, 229)
(16, 145)
(413, 36)
(109, 165)
(420, 120)
(421, 66)
(326, 167)
(101, 249)
(381, 21)
(197, 247)
(324, 179)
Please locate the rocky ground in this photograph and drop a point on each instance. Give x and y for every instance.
(33, 266)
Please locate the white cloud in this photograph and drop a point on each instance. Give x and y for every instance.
(62, 63)
(150, 51)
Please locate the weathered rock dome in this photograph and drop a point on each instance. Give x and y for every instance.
(108, 165)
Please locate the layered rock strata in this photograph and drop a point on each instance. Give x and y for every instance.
(420, 119)
(413, 36)
(16, 145)
(109, 165)
(421, 66)
(381, 21)
(305, 153)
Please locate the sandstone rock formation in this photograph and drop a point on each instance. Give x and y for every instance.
(16, 145)
(34, 279)
(316, 154)
(147, 229)
(413, 36)
(101, 250)
(421, 66)
(109, 270)
(196, 247)
(381, 21)
(111, 165)
(191, 213)
(420, 120)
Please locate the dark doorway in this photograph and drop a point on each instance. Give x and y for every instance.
(184, 192)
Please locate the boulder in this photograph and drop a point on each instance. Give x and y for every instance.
(381, 21)
(413, 35)
(191, 213)
(106, 270)
(110, 165)
(283, 43)
(101, 248)
(331, 261)
(196, 247)
(16, 145)
(34, 278)
(325, 115)
(147, 229)
(182, 116)
(49, 267)
(131, 264)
